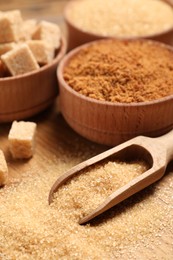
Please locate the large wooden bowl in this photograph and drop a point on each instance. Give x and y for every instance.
(77, 36)
(26, 95)
(112, 123)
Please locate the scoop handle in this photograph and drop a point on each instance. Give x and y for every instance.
(166, 141)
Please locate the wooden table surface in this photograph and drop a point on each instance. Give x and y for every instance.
(54, 133)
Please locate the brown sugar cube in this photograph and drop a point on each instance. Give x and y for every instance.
(3, 169)
(28, 27)
(10, 26)
(4, 47)
(22, 139)
(48, 32)
(20, 60)
(43, 52)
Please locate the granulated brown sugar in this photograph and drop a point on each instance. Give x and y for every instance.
(122, 18)
(119, 71)
(86, 191)
(31, 229)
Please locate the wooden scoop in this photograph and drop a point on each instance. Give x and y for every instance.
(157, 152)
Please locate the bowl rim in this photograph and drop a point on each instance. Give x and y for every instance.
(61, 52)
(71, 53)
(154, 35)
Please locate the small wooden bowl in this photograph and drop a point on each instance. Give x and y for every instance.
(26, 95)
(77, 36)
(112, 123)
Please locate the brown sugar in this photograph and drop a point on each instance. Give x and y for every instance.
(28, 27)
(3, 169)
(10, 26)
(31, 229)
(5, 47)
(16, 54)
(104, 179)
(121, 71)
(20, 60)
(22, 139)
(48, 32)
(44, 53)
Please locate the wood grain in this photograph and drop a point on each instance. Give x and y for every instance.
(54, 134)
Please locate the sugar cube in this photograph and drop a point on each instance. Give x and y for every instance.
(28, 27)
(48, 32)
(3, 169)
(22, 139)
(20, 60)
(10, 26)
(4, 47)
(44, 53)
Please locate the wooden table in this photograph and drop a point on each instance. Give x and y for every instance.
(54, 133)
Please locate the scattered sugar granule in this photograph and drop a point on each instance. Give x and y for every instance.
(48, 32)
(32, 229)
(20, 60)
(22, 139)
(10, 26)
(3, 169)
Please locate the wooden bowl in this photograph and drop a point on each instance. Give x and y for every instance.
(77, 36)
(112, 123)
(26, 95)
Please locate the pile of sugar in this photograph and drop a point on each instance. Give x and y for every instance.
(86, 191)
(120, 71)
(31, 229)
(122, 18)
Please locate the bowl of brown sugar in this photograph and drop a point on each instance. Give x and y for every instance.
(88, 20)
(113, 90)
